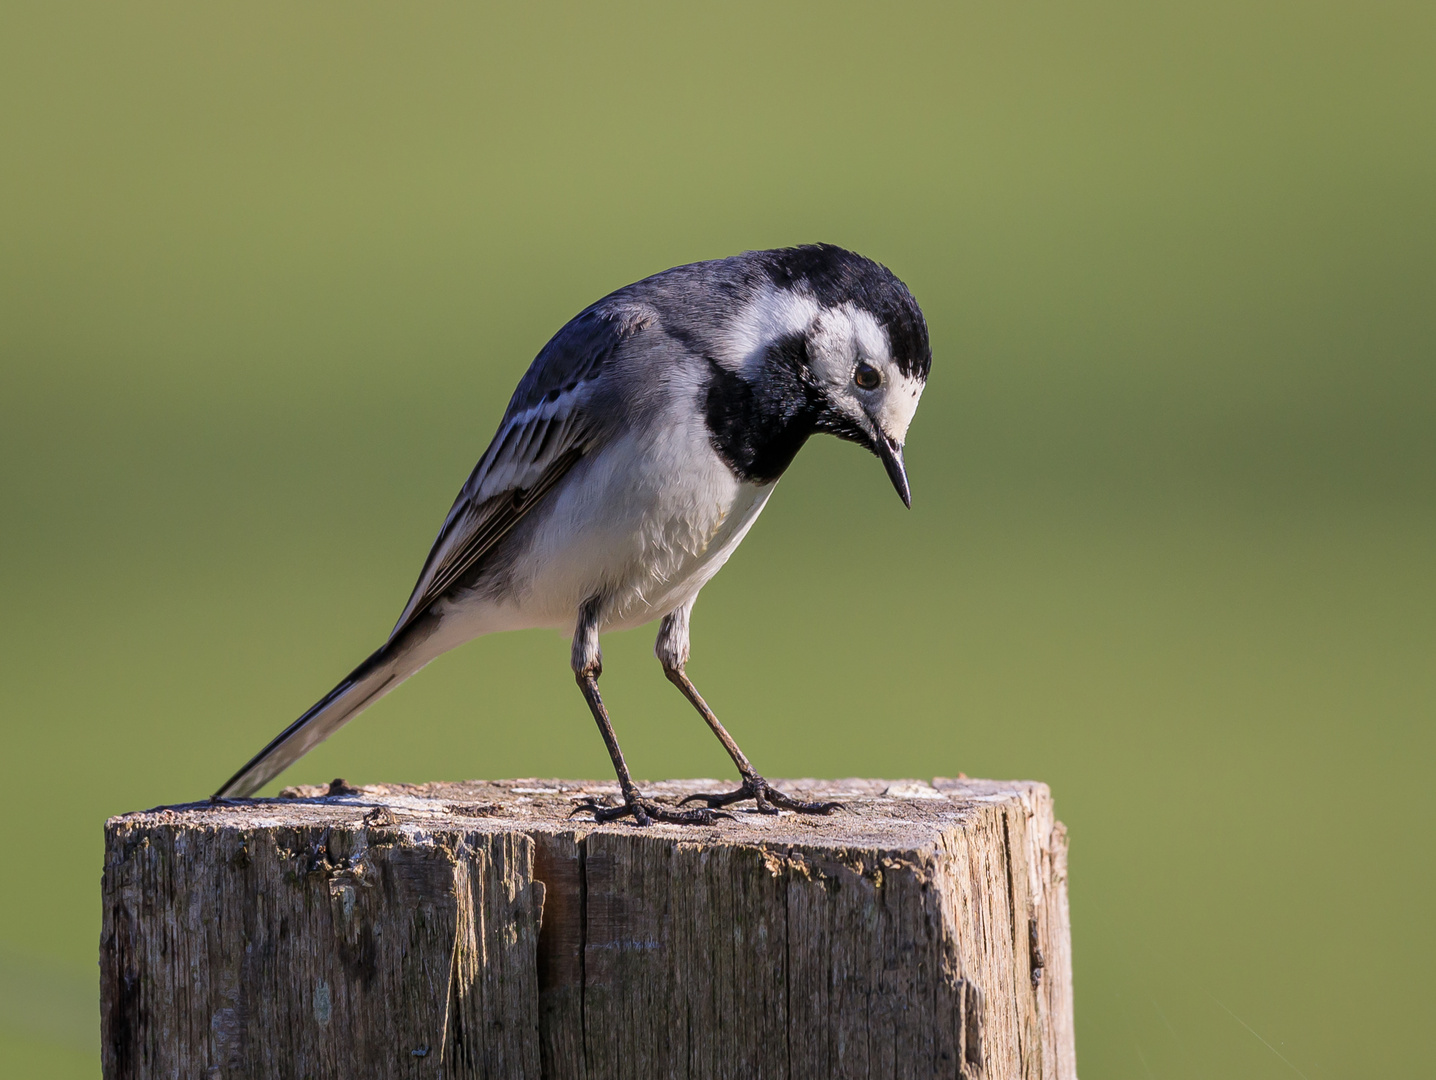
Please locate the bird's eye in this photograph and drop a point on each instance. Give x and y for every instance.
(867, 377)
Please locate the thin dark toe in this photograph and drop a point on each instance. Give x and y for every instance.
(768, 799)
(602, 809)
(801, 806)
(603, 814)
(715, 799)
(645, 812)
(683, 817)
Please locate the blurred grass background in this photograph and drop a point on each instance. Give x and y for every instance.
(269, 272)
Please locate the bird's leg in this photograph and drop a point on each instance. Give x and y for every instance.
(587, 667)
(672, 652)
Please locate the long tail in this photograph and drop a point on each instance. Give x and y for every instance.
(363, 686)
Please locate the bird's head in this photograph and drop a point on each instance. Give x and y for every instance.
(848, 332)
(867, 394)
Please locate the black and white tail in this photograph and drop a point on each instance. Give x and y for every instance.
(363, 686)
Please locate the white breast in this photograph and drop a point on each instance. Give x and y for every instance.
(645, 522)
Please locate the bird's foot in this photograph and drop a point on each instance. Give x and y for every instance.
(769, 799)
(643, 811)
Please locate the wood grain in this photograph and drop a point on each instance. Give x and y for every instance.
(475, 930)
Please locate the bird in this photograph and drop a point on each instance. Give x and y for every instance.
(634, 456)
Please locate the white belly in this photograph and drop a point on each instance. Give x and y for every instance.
(644, 523)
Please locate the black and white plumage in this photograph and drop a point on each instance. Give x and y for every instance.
(636, 453)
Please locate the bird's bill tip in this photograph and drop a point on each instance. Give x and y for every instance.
(891, 454)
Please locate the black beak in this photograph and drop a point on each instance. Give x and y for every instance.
(891, 453)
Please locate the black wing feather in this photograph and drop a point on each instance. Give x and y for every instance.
(546, 429)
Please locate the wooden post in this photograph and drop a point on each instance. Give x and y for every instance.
(475, 930)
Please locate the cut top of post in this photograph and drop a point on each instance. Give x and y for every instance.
(872, 814)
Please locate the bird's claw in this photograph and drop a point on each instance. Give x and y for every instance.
(768, 799)
(643, 811)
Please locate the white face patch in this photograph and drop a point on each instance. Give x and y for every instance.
(775, 314)
(842, 338)
(900, 394)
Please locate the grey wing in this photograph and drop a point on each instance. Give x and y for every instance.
(548, 426)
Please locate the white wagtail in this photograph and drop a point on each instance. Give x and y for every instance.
(634, 456)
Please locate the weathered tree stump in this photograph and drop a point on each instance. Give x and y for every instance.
(464, 930)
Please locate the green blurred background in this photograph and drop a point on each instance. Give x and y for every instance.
(269, 272)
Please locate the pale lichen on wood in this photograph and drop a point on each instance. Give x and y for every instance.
(467, 930)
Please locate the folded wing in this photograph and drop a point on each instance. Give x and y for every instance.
(548, 427)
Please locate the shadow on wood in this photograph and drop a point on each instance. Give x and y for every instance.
(468, 930)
